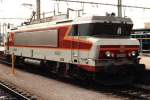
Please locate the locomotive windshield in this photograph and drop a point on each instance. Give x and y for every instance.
(102, 29)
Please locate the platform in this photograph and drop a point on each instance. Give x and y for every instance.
(146, 60)
(51, 89)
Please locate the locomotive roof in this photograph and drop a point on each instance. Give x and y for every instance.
(106, 19)
(80, 20)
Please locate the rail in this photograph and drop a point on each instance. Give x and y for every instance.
(17, 92)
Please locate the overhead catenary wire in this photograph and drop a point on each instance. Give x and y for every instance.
(107, 4)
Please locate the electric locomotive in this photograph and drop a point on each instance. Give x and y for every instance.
(84, 47)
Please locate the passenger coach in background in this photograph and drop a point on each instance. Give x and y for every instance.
(143, 35)
(95, 47)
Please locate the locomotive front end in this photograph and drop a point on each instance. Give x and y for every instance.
(119, 61)
(118, 56)
(113, 51)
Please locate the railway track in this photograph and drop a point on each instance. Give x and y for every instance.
(14, 93)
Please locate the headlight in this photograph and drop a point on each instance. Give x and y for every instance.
(133, 53)
(108, 54)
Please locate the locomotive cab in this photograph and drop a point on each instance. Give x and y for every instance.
(110, 37)
(113, 51)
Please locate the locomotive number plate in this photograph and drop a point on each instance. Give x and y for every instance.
(121, 55)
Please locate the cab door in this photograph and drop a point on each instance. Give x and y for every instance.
(75, 45)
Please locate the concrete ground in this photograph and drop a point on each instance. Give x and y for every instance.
(51, 89)
(146, 60)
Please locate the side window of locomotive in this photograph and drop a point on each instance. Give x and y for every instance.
(75, 33)
(84, 29)
(74, 30)
(80, 30)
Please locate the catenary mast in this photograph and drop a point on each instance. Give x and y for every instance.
(38, 9)
(120, 8)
